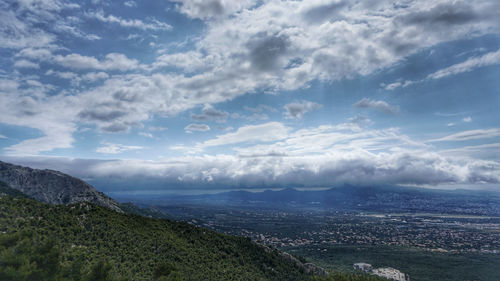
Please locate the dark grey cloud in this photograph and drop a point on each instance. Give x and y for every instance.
(435, 22)
(101, 114)
(210, 9)
(260, 108)
(115, 128)
(127, 96)
(325, 12)
(378, 105)
(27, 107)
(205, 9)
(210, 114)
(451, 13)
(116, 113)
(399, 43)
(296, 110)
(197, 128)
(266, 50)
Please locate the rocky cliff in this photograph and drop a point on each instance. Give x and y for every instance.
(52, 186)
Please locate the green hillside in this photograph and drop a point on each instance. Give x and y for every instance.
(83, 241)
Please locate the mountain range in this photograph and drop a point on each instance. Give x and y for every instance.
(346, 197)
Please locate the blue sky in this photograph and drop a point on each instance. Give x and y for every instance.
(253, 94)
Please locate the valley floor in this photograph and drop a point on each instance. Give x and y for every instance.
(426, 246)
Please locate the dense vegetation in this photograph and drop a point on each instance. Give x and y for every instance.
(83, 241)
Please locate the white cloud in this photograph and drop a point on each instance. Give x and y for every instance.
(68, 27)
(205, 9)
(398, 84)
(284, 45)
(147, 135)
(278, 170)
(2, 137)
(271, 154)
(269, 46)
(7, 85)
(94, 76)
(35, 53)
(76, 79)
(54, 138)
(296, 110)
(153, 24)
(378, 105)
(467, 119)
(470, 135)
(157, 128)
(392, 86)
(490, 151)
(468, 65)
(189, 61)
(45, 7)
(112, 61)
(196, 128)
(37, 23)
(26, 64)
(113, 148)
(328, 139)
(317, 156)
(62, 74)
(17, 34)
(266, 132)
(130, 4)
(25, 103)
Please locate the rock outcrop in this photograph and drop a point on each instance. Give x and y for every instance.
(309, 268)
(52, 186)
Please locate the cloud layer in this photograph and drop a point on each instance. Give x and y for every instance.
(105, 74)
(247, 46)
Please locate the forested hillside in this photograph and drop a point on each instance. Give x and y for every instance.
(84, 241)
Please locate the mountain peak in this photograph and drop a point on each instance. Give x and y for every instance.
(52, 186)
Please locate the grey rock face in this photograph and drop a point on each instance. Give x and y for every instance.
(52, 186)
(309, 268)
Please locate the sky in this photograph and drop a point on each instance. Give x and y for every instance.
(159, 96)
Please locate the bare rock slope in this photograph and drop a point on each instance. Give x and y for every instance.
(52, 186)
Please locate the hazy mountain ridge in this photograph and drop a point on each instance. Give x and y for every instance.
(361, 198)
(53, 187)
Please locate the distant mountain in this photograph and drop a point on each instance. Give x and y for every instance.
(363, 198)
(52, 186)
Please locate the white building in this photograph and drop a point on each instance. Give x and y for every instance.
(366, 267)
(391, 273)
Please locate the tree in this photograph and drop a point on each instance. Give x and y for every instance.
(100, 272)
